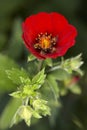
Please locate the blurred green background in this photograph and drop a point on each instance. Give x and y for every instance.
(73, 114)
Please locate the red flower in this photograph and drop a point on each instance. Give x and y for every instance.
(48, 35)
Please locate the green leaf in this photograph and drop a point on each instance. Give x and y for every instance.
(39, 78)
(28, 92)
(52, 83)
(48, 95)
(48, 62)
(6, 62)
(36, 86)
(72, 64)
(79, 71)
(16, 94)
(40, 105)
(26, 81)
(31, 58)
(16, 119)
(5, 83)
(76, 62)
(59, 74)
(36, 115)
(16, 75)
(63, 90)
(8, 112)
(25, 113)
(75, 89)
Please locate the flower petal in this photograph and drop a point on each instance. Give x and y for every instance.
(52, 23)
(59, 22)
(36, 24)
(68, 34)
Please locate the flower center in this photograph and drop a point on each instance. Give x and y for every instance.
(45, 43)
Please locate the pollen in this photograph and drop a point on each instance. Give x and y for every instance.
(45, 43)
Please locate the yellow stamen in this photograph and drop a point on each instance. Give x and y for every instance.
(45, 43)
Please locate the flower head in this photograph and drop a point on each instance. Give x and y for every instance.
(48, 35)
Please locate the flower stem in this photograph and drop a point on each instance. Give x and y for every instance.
(53, 68)
(26, 101)
(40, 65)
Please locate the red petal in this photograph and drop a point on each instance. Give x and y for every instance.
(63, 49)
(43, 22)
(60, 51)
(53, 23)
(67, 35)
(59, 22)
(36, 24)
(31, 49)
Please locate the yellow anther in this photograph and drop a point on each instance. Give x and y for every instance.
(45, 43)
